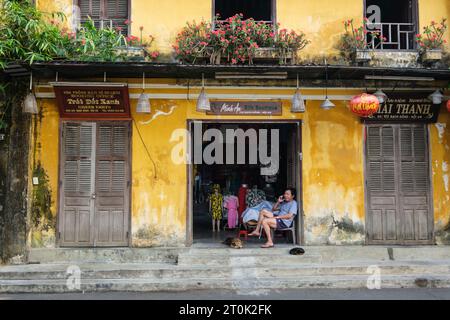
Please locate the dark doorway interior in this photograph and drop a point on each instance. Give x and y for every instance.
(260, 10)
(230, 177)
(398, 23)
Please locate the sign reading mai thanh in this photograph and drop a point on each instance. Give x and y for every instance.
(245, 108)
(93, 100)
(406, 107)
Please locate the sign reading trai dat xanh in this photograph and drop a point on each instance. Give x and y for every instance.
(406, 107)
(92, 101)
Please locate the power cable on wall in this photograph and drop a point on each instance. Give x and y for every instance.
(145, 147)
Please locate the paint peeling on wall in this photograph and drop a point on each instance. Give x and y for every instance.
(330, 230)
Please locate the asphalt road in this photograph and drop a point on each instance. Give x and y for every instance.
(303, 294)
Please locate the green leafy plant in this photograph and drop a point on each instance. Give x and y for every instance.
(25, 34)
(432, 37)
(41, 215)
(95, 44)
(357, 37)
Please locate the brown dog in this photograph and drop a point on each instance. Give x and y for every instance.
(234, 243)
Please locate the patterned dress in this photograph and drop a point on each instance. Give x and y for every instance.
(216, 206)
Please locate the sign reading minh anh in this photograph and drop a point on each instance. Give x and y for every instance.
(93, 100)
(245, 108)
(406, 107)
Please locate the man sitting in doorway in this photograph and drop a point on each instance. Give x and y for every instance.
(281, 216)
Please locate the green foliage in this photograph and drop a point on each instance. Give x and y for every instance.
(41, 215)
(26, 36)
(433, 35)
(92, 44)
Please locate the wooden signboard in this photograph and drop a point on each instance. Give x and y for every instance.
(93, 102)
(406, 107)
(245, 108)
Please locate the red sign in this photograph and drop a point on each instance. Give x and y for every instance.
(364, 104)
(448, 105)
(93, 102)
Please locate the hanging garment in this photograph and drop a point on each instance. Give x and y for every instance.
(216, 206)
(241, 195)
(232, 204)
(254, 197)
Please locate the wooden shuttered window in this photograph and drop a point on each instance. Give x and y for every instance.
(398, 188)
(105, 13)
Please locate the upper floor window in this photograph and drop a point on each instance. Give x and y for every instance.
(260, 10)
(105, 13)
(395, 20)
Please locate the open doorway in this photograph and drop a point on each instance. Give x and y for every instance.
(267, 159)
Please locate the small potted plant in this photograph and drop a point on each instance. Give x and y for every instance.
(289, 44)
(431, 41)
(356, 41)
(135, 48)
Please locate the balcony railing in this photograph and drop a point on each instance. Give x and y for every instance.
(108, 23)
(399, 36)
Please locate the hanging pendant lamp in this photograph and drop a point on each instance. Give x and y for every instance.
(30, 102)
(298, 103)
(436, 97)
(143, 105)
(381, 96)
(327, 104)
(203, 103)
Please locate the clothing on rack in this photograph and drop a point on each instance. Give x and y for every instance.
(241, 195)
(231, 203)
(254, 197)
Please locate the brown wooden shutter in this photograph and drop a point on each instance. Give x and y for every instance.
(398, 184)
(107, 10)
(117, 11)
(77, 183)
(112, 184)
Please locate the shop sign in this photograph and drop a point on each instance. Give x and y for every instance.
(84, 101)
(251, 108)
(406, 107)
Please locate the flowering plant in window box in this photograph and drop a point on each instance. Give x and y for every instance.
(236, 41)
(431, 41)
(355, 42)
(136, 48)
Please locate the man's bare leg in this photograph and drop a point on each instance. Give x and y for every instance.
(267, 224)
(263, 214)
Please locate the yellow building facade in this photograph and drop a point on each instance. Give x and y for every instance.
(332, 169)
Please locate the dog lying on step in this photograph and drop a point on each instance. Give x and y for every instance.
(234, 243)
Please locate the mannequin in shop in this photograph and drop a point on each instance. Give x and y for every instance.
(215, 207)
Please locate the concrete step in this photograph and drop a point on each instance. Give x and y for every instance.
(136, 285)
(105, 255)
(169, 272)
(335, 253)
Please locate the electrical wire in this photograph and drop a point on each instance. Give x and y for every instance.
(145, 147)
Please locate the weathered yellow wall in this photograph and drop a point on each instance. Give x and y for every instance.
(322, 22)
(434, 10)
(440, 161)
(164, 19)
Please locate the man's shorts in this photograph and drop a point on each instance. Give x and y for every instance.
(281, 225)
